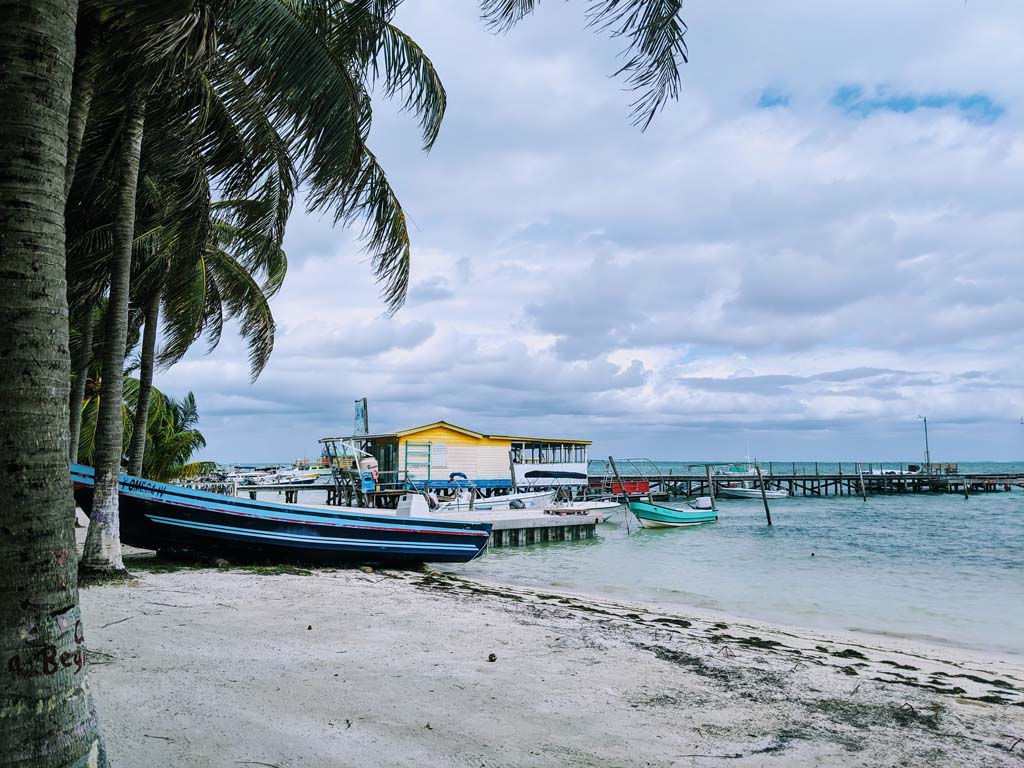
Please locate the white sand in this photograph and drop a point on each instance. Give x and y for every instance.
(344, 668)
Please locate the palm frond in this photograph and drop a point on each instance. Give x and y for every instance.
(213, 315)
(386, 54)
(370, 198)
(244, 301)
(656, 47)
(502, 15)
(194, 469)
(242, 150)
(310, 91)
(183, 302)
(261, 255)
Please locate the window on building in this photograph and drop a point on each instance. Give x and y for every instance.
(548, 453)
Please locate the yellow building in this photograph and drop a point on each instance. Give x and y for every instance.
(432, 452)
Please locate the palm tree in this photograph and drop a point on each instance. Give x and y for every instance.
(174, 439)
(323, 113)
(172, 436)
(170, 43)
(49, 719)
(102, 553)
(82, 343)
(232, 277)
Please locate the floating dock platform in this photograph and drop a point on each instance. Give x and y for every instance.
(522, 527)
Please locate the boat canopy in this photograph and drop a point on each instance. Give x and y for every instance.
(537, 473)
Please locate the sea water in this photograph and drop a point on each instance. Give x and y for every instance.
(932, 567)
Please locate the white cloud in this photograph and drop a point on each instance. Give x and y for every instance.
(812, 277)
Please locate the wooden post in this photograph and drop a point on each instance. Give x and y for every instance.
(860, 474)
(512, 469)
(764, 495)
(622, 487)
(965, 486)
(711, 487)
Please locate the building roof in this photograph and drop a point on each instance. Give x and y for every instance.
(444, 424)
(463, 430)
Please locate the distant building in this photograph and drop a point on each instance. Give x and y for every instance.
(432, 452)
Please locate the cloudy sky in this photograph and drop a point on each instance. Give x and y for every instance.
(821, 240)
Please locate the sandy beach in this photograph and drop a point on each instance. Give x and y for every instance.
(223, 667)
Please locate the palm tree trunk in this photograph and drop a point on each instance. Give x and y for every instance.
(137, 449)
(82, 89)
(78, 388)
(47, 719)
(102, 554)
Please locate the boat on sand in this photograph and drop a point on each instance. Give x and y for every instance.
(162, 516)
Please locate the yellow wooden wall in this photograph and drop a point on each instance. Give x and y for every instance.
(479, 458)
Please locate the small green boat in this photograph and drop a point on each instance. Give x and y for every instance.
(656, 516)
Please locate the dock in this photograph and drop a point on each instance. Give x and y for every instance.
(510, 527)
(847, 480)
(523, 527)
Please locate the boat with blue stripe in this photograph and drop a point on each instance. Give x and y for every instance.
(161, 516)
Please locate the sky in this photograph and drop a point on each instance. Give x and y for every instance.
(818, 242)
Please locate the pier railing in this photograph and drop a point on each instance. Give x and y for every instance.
(843, 479)
(846, 479)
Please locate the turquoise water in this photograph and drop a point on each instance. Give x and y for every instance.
(930, 567)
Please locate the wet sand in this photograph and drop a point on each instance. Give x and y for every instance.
(208, 667)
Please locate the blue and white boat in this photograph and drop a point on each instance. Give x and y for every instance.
(161, 516)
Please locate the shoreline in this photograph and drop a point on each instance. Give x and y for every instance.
(922, 644)
(208, 667)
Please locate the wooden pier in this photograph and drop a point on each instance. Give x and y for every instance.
(847, 480)
(510, 527)
(524, 527)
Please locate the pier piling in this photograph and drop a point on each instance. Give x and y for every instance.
(764, 496)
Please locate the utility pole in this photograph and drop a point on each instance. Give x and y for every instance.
(927, 453)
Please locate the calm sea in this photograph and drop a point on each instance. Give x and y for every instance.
(931, 567)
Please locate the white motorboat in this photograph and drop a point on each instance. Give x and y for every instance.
(587, 506)
(418, 504)
(742, 492)
(470, 499)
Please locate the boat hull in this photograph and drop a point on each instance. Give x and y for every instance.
(657, 516)
(587, 506)
(165, 517)
(750, 493)
(529, 500)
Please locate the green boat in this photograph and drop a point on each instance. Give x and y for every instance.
(656, 516)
